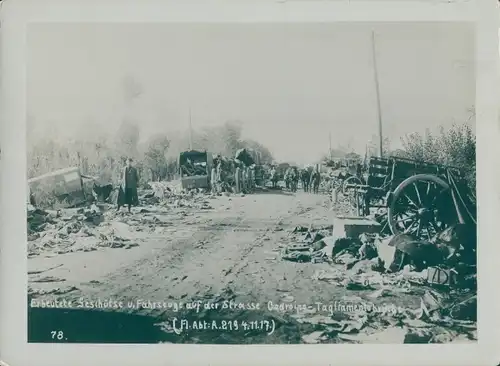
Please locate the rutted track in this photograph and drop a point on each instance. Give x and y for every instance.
(224, 254)
(211, 258)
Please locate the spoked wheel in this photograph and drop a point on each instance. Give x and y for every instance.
(351, 180)
(421, 207)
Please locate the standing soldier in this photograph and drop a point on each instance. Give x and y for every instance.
(213, 180)
(304, 175)
(237, 179)
(218, 177)
(294, 178)
(315, 178)
(128, 188)
(274, 177)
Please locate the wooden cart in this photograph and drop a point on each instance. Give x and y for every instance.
(418, 198)
(61, 188)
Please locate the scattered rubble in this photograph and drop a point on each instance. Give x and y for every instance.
(99, 225)
(378, 268)
(358, 258)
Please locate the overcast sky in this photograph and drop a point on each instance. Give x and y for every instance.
(289, 84)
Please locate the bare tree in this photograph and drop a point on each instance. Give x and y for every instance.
(155, 156)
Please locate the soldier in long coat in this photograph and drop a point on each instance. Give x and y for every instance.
(219, 177)
(213, 180)
(286, 177)
(305, 176)
(127, 194)
(315, 179)
(274, 177)
(238, 177)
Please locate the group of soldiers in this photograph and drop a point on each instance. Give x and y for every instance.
(310, 179)
(243, 179)
(240, 178)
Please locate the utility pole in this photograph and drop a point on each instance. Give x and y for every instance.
(377, 90)
(190, 131)
(330, 140)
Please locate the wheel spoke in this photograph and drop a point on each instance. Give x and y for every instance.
(427, 195)
(413, 230)
(412, 210)
(419, 229)
(433, 224)
(428, 232)
(408, 229)
(386, 222)
(418, 193)
(411, 201)
(406, 218)
(398, 215)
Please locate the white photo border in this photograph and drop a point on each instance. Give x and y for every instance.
(17, 14)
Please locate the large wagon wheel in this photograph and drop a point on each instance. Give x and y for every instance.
(351, 180)
(420, 206)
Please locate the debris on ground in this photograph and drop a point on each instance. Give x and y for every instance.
(96, 225)
(308, 245)
(375, 270)
(381, 268)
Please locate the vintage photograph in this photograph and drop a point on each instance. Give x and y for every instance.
(232, 183)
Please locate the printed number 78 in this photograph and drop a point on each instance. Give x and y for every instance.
(57, 334)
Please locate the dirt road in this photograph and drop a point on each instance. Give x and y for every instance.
(230, 252)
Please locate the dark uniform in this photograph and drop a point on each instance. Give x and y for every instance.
(315, 178)
(274, 178)
(128, 188)
(294, 179)
(305, 177)
(287, 178)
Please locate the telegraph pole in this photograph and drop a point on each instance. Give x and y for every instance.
(377, 90)
(330, 139)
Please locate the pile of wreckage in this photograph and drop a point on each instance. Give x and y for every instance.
(172, 194)
(71, 230)
(437, 272)
(88, 227)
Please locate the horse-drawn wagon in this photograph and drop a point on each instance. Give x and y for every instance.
(418, 198)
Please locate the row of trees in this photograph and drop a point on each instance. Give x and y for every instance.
(103, 154)
(156, 158)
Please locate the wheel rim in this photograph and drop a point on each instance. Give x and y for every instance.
(350, 180)
(420, 207)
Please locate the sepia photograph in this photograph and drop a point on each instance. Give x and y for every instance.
(251, 183)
